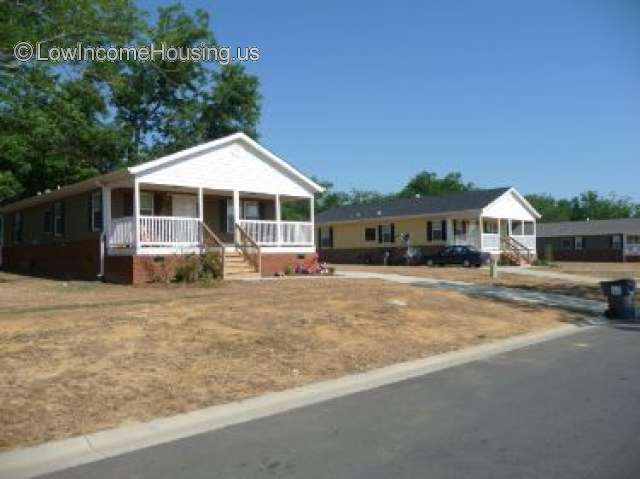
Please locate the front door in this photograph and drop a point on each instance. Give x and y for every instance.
(185, 206)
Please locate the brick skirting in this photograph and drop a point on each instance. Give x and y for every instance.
(371, 255)
(65, 260)
(587, 255)
(273, 263)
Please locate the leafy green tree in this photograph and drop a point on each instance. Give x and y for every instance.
(551, 208)
(427, 183)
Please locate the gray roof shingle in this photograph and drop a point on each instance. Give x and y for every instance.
(589, 228)
(467, 200)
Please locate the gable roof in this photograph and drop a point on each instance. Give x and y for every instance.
(463, 201)
(205, 147)
(589, 228)
(123, 173)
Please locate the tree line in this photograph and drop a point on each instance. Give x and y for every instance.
(64, 122)
(587, 205)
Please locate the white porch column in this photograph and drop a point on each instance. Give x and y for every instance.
(278, 221)
(450, 232)
(106, 212)
(236, 214)
(510, 231)
(480, 230)
(136, 215)
(200, 205)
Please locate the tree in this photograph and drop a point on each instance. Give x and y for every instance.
(551, 208)
(587, 205)
(427, 183)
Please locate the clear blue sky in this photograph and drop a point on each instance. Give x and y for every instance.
(542, 95)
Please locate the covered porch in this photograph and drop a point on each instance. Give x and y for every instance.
(492, 235)
(152, 219)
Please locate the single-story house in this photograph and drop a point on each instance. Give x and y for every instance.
(597, 240)
(499, 221)
(224, 195)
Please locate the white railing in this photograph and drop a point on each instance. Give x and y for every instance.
(121, 232)
(528, 241)
(468, 239)
(490, 241)
(169, 231)
(279, 233)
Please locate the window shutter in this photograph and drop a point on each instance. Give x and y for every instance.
(444, 230)
(64, 218)
(455, 227)
(331, 236)
(464, 227)
(320, 237)
(429, 231)
(379, 233)
(393, 233)
(90, 212)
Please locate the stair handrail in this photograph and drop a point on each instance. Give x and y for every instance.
(245, 244)
(216, 240)
(522, 247)
(516, 247)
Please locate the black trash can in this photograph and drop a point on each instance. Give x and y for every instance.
(621, 297)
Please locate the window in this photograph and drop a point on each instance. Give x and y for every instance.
(633, 239)
(251, 210)
(579, 243)
(459, 227)
(528, 228)
(47, 226)
(566, 243)
(436, 231)
(386, 233)
(326, 237)
(146, 203)
(489, 227)
(58, 218)
(96, 211)
(616, 241)
(17, 227)
(370, 234)
(516, 228)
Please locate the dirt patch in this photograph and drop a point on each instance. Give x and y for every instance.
(79, 357)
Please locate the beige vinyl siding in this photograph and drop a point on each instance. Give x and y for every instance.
(351, 235)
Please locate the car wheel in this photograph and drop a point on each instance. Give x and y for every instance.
(466, 263)
(429, 262)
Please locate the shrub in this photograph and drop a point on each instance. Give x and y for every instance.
(288, 271)
(189, 270)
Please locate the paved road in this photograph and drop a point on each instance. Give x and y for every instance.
(568, 408)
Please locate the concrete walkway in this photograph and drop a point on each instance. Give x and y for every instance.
(504, 293)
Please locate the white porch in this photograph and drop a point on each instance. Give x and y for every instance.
(230, 218)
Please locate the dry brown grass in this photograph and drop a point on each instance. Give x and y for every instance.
(88, 356)
(599, 270)
(481, 276)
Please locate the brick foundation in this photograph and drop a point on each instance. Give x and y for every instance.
(587, 255)
(273, 263)
(65, 260)
(371, 255)
(140, 269)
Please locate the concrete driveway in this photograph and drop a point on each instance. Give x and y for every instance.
(567, 408)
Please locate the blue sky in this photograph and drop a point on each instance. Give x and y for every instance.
(541, 95)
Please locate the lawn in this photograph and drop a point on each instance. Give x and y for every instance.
(79, 357)
(599, 270)
(481, 276)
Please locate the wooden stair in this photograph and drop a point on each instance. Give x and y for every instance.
(515, 252)
(236, 267)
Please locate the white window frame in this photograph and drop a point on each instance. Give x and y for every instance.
(436, 227)
(96, 207)
(252, 204)
(375, 234)
(146, 211)
(385, 233)
(578, 243)
(58, 215)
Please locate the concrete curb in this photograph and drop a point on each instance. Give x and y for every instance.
(58, 455)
